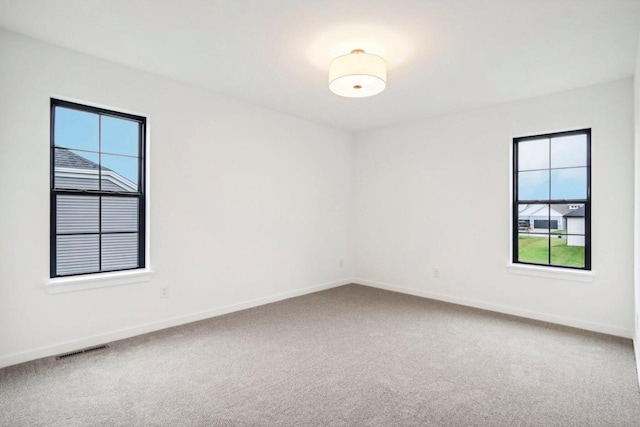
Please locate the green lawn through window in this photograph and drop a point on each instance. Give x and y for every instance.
(536, 250)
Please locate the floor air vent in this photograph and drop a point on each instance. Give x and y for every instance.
(83, 351)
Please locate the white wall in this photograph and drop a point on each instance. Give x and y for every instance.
(246, 204)
(436, 194)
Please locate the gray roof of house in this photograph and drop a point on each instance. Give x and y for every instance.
(576, 213)
(65, 158)
(563, 209)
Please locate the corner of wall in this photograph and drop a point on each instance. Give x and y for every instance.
(636, 89)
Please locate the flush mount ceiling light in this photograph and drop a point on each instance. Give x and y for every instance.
(357, 74)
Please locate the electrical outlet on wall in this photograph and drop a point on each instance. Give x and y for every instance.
(341, 262)
(436, 272)
(164, 292)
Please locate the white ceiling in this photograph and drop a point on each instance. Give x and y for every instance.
(443, 55)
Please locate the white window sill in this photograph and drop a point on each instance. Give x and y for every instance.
(551, 272)
(99, 280)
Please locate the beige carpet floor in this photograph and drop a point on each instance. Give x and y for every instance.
(349, 356)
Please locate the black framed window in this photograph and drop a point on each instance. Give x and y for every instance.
(97, 190)
(552, 199)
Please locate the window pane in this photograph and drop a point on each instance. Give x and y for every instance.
(99, 151)
(567, 251)
(119, 251)
(119, 173)
(76, 129)
(569, 183)
(568, 151)
(533, 219)
(534, 249)
(533, 154)
(119, 214)
(533, 185)
(77, 214)
(76, 169)
(77, 254)
(119, 136)
(557, 217)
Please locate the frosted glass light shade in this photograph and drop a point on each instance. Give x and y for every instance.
(357, 74)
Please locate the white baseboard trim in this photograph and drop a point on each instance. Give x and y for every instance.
(566, 321)
(636, 347)
(64, 347)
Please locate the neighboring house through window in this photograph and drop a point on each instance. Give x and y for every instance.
(97, 190)
(552, 199)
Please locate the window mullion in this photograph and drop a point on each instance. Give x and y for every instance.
(549, 209)
(100, 197)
